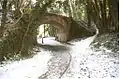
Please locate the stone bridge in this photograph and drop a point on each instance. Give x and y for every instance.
(67, 28)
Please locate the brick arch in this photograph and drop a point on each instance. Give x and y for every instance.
(61, 23)
(67, 28)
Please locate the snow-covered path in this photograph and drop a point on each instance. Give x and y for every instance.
(89, 64)
(26, 69)
(75, 61)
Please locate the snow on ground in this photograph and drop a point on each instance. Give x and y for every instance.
(93, 65)
(85, 63)
(89, 64)
(26, 69)
(48, 41)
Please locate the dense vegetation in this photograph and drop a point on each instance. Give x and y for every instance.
(19, 25)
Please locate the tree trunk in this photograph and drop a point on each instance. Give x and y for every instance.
(88, 15)
(113, 6)
(3, 20)
(106, 23)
